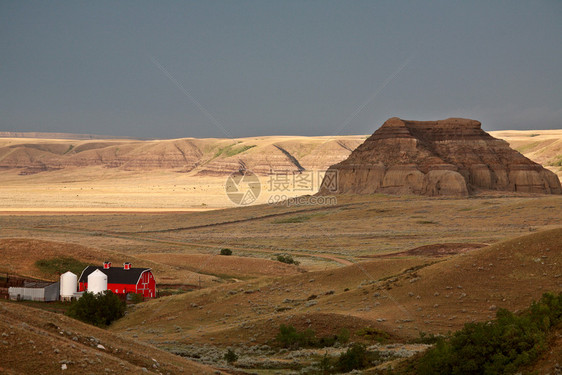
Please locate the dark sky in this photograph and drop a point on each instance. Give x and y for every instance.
(168, 69)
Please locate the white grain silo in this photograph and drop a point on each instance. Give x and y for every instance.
(68, 285)
(97, 282)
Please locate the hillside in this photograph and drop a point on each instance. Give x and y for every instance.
(189, 155)
(403, 296)
(35, 341)
(184, 269)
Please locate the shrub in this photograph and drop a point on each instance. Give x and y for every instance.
(497, 347)
(283, 258)
(325, 364)
(230, 356)
(427, 338)
(354, 358)
(226, 252)
(343, 335)
(289, 337)
(373, 334)
(97, 309)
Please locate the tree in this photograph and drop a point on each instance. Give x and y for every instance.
(97, 309)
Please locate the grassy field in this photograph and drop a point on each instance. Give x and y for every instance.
(355, 227)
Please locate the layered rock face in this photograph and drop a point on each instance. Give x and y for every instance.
(452, 157)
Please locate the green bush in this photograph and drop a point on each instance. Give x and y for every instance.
(230, 356)
(427, 338)
(343, 335)
(325, 365)
(97, 309)
(289, 337)
(226, 252)
(373, 334)
(497, 347)
(354, 358)
(283, 258)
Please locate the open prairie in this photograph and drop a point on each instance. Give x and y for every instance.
(384, 268)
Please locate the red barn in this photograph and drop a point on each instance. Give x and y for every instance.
(123, 280)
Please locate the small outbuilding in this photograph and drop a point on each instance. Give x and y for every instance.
(35, 291)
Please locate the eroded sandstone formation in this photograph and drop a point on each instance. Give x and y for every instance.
(452, 157)
(203, 157)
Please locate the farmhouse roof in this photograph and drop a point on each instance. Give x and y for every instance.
(115, 275)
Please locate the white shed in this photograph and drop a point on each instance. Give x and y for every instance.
(35, 291)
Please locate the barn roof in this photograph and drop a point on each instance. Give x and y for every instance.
(115, 275)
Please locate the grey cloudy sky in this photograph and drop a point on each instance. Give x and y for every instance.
(166, 69)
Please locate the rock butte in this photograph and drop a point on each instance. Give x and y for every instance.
(452, 157)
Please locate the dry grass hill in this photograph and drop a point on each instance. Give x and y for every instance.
(402, 296)
(186, 155)
(34, 341)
